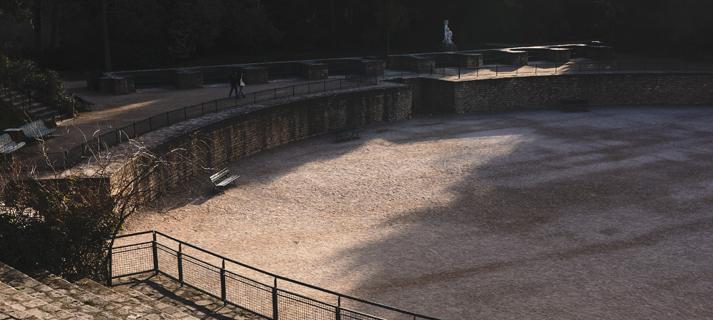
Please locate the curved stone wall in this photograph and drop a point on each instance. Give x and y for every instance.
(215, 140)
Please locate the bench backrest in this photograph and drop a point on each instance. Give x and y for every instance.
(219, 175)
(35, 129)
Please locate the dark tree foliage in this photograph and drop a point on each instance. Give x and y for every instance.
(144, 33)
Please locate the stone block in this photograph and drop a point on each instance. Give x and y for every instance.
(419, 64)
(372, 68)
(188, 79)
(254, 74)
(469, 60)
(510, 57)
(314, 70)
(110, 84)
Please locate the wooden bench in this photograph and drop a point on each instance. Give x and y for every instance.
(8, 145)
(347, 134)
(223, 178)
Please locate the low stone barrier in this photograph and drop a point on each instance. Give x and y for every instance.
(215, 140)
(416, 63)
(507, 56)
(314, 70)
(469, 60)
(188, 79)
(111, 84)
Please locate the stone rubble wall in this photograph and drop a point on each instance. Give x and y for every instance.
(210, 143)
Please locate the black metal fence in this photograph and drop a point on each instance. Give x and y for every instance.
(74, 155)
(264, 293)
(545, 68)
(105, 140)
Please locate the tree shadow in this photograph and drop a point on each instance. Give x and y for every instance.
(583, 218)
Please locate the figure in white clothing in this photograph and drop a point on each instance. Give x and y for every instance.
(448, 43)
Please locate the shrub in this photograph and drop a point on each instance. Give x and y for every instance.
(43, 85)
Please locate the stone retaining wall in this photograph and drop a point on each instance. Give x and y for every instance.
(549, 91)
(216, 140)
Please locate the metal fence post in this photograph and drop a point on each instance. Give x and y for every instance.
(339, 308)
(154, 249)
(179, 260)
(222, 283)
(108, 267)
(275, 315)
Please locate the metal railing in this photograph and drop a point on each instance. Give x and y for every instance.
(74, 155)
(548, 69)
(108, 139)
(264, 293)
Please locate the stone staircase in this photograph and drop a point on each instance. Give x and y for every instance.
(46, 296)
(32, 109)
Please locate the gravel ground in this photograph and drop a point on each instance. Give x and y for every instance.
(528, 215)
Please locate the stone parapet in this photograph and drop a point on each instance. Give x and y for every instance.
(416, 63)
(111, 84)
(314, 70)
(469, 60)
(255, 74)
(188, 79)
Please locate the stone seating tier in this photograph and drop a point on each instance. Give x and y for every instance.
(45, 296)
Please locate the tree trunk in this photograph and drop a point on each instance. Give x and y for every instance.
(105, 36)
(37, 28)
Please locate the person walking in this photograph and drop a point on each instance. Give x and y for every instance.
(242, 86)
(234, 84)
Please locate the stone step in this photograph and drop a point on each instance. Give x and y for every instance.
(47, 114)
(15, 304)
(40, 291)
(134, 299)
(36, 107)
(189, 300)
(110, 309)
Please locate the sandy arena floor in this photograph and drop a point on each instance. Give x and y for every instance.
(528, 215)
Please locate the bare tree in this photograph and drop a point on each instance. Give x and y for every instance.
(65, 221)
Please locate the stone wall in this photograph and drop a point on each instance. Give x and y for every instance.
(549, 91)
(216, 140)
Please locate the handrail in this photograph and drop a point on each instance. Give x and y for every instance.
(117, 136)
(340, 296)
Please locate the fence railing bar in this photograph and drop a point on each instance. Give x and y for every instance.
(276, 276)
